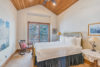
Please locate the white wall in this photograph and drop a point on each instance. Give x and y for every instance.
(77, 18)
(36, 13)
(8, 13)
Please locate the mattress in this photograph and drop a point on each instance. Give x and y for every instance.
(50, 50)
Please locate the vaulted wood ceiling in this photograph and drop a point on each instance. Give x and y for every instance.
(59, 8)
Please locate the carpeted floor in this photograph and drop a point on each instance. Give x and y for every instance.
(26, 61)
(20, 61)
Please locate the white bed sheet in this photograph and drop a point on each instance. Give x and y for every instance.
(50, 50)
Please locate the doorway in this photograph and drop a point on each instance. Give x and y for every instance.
(38, 32)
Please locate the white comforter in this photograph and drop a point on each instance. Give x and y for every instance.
(50, 50)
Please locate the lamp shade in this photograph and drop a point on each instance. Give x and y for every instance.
(59, 33)
(92, 39)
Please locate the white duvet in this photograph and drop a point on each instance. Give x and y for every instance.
(50, 50)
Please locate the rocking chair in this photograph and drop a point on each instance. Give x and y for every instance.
(23, 47)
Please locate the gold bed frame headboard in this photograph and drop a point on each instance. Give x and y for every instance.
(73, 34)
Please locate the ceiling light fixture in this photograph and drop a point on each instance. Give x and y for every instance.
(53, 2)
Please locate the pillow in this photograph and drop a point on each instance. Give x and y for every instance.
(23, 45)
(78, 41)
(70, 40)
(62, 39)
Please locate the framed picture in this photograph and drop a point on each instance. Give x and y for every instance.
(94, 29)
(4, 34)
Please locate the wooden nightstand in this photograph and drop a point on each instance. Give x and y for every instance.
(92, 56)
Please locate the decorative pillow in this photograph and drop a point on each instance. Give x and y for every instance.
(78, 41)
(23, 45)
(70, 40)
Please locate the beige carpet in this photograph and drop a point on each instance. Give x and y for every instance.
(20, 61)
(26, 61)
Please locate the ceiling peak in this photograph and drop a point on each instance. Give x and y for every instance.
(56, 7)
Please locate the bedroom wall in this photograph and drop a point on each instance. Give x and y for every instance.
(37, 14)
(78, 16)
(8, 13)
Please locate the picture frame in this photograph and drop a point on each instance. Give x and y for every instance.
(4, 34)
(94, 29)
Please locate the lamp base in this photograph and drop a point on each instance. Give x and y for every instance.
(94, 50)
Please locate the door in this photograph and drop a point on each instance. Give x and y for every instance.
(38, 32)
(44, 33)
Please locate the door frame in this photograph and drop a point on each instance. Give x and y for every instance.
(39, 35)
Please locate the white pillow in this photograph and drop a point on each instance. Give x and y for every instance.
(70, 40)
(78, 41)
(62, 39)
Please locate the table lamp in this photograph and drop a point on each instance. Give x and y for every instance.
(59, 33)
(92, 42)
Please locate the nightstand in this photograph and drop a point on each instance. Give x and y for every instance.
(92, 56)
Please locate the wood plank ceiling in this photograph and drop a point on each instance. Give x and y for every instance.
(59, 8)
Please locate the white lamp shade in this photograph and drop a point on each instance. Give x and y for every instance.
(92, 39)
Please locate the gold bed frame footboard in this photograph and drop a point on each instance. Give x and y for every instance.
(33, 55)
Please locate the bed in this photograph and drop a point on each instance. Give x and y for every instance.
(58, 54)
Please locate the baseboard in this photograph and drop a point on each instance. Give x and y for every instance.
(8, 59)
